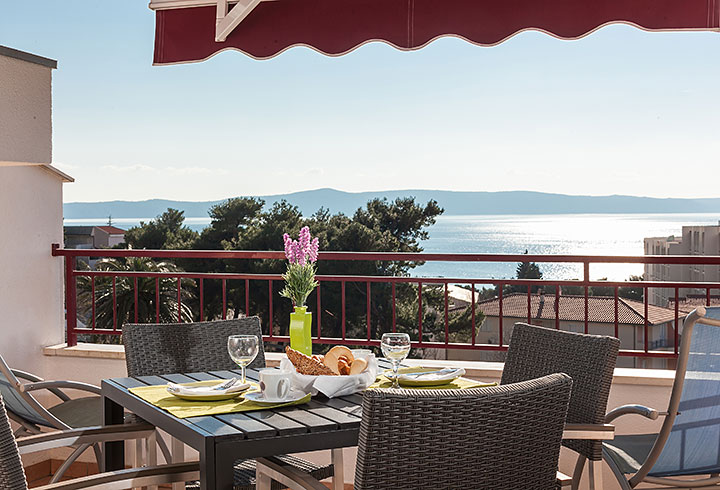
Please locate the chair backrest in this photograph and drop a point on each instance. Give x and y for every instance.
(12, 476)
(588, 359)
(166, 348)
(689, 440)
(499, 438)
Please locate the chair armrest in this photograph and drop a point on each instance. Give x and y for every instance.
(75, 385)
(85, 435)
(646, 412)
(26, 376)
(135, 477)
(593, 432)
(563, 480)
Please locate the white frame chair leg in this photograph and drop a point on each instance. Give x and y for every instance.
(338, 479)
(178, 456)
(292, 478)
(595, 474)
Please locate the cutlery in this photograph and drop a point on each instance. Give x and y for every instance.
(227, 384)
(421, 373)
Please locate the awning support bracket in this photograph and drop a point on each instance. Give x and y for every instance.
(226, 21)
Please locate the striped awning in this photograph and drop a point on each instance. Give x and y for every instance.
(194, 30)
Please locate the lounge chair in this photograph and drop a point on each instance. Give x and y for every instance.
(17, 388)
(688, 443)
(12, 475)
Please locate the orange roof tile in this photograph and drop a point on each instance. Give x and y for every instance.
(601, 309)
(112, 230)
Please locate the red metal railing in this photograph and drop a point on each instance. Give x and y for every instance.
(421, 283)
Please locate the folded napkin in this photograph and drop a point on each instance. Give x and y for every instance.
(333, 386)
(206, 390)
(439, 375)
(384, 381)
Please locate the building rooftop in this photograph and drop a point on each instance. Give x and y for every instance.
(29, 57)
(692, 301)
(601, 309)
(112, 230)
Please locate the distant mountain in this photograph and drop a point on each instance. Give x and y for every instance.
(508, 202)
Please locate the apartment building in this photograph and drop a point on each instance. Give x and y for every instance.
(695, 240)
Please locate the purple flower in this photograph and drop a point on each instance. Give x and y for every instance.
(302, 251)
(288, 247)
(313, 250)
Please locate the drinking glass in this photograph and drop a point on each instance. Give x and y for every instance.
(243, 350)
(395, 347)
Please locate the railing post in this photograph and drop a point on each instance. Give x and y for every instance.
(70, 301)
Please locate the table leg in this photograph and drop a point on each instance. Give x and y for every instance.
(114, 452)
(207, 467)
(224, 470)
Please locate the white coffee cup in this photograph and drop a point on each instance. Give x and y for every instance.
(274, 384)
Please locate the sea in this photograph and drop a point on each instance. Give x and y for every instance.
(583, 234)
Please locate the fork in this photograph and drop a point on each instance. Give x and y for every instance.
(225, 385)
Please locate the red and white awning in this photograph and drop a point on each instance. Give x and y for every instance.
(194, 30)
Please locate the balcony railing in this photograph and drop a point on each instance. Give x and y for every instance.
(385, 304)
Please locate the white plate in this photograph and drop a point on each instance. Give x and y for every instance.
(257, 397)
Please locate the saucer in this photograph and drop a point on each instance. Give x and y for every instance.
(257, 397)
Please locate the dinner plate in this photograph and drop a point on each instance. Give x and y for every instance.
(207, 398)
(421, 382)
(257, 397)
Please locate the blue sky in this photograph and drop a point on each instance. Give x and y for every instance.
(621, 111)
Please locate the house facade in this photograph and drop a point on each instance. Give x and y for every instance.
(694, 240)
(571, 317)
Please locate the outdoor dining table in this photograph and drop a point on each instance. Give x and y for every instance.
(323, 423)
(220, 440)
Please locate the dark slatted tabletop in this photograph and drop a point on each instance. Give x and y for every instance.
(221, 439)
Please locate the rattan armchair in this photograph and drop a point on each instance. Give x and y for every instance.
(688, 443)
(590, 361)
(12, 475)
(17, 388)
(501, 438)
(157, 349)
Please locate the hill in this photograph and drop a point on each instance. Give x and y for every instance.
(455, 203)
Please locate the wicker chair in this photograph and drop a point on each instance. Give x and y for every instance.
(589, 360)
(500, 438)
(157, 349)
(688, 443)
(12, 475)
(17, 388)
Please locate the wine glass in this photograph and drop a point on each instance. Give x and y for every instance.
(243, 350)
(395, 347)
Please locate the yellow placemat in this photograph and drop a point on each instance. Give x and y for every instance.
(457, 384)
(158, 396)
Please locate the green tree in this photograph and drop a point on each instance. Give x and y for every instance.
(167, 231)
(112, 314)
(632, 292)
(525, 270)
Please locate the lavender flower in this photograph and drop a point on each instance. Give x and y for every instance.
(300, 276)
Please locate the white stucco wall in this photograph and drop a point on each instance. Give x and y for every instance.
(31, 279)
(25, 111)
